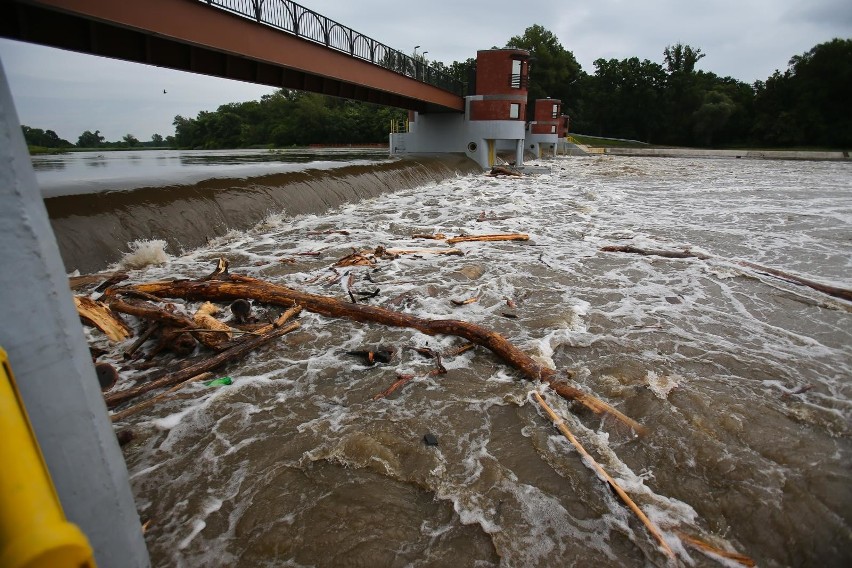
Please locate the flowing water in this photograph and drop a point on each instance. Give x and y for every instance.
(99, 204)
(742, 379)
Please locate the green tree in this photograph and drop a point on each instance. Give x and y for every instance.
(712, 116)
(130, 140)
(553, 68)
(157, 140)
(684, 95)
(624, 99)
(90, 139)
(44, 138)
(809, 103)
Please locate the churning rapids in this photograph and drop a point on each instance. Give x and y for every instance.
(742, 379)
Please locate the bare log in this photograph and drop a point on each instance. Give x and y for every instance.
(705, 547)
(104, 280)
(152, 328)
(282, 319)
(842, 293)
(214, 362)
(495, 237)
(147, 310)
(655, 252)
(363, 258)
(436, 236)
(99, 315)
(203, 318)
(400, 381)
(504, 171)
(115, 417)
(444, 251)
(652, 528)
(246, 287)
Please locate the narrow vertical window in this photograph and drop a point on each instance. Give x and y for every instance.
(515, 79)
(552, 129)
(555, 111)
(514, 110)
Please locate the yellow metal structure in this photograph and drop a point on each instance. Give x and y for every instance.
(399, 126)
(33, 530)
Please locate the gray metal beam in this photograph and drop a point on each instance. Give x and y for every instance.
(44, 340)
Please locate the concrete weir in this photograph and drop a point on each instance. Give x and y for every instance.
(47, 350)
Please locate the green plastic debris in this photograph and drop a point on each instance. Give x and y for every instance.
(220, 382)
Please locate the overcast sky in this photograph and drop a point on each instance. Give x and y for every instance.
(744, 39)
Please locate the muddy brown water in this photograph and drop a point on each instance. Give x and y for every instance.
(742, 379)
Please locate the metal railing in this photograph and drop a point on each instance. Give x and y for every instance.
(306, 24)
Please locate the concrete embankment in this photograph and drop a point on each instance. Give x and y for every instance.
(745, 154)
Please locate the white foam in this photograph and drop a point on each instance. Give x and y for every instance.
(145, 253)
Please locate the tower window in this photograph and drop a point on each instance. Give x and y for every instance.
(514, 110)
(515, 79)
(555, 111)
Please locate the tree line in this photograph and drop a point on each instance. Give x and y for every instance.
(668, 102)
(671, 103)
(37, 138)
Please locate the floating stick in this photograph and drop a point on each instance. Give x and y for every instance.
(652, 528)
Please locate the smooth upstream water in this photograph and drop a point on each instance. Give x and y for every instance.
(295, 464)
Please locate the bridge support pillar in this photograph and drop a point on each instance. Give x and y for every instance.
(47, 350)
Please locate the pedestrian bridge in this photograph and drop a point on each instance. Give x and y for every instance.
(269, 42)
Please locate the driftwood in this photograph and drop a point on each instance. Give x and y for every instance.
(99, 315)
(246, 287)
(652, 528)
(504, 171)
(496, 237)
(104, 280)
(842, 293)
(214, 362)
(153, 327)
(465, 302)
(220, 333)
(115, 417)
(399, 382)
(705, 547)
(655, 252)
(329, 232)
(363, 258)
(146, 310)
(449, 251)
(435, 237)
(370, 257)
(174, 324)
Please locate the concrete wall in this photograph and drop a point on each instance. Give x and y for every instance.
(42, 335)
(442, 133)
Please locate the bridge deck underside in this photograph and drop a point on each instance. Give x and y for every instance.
(188, 36)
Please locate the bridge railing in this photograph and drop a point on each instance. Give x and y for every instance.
(306, 24)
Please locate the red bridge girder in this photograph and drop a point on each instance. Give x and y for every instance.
(189, 36)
